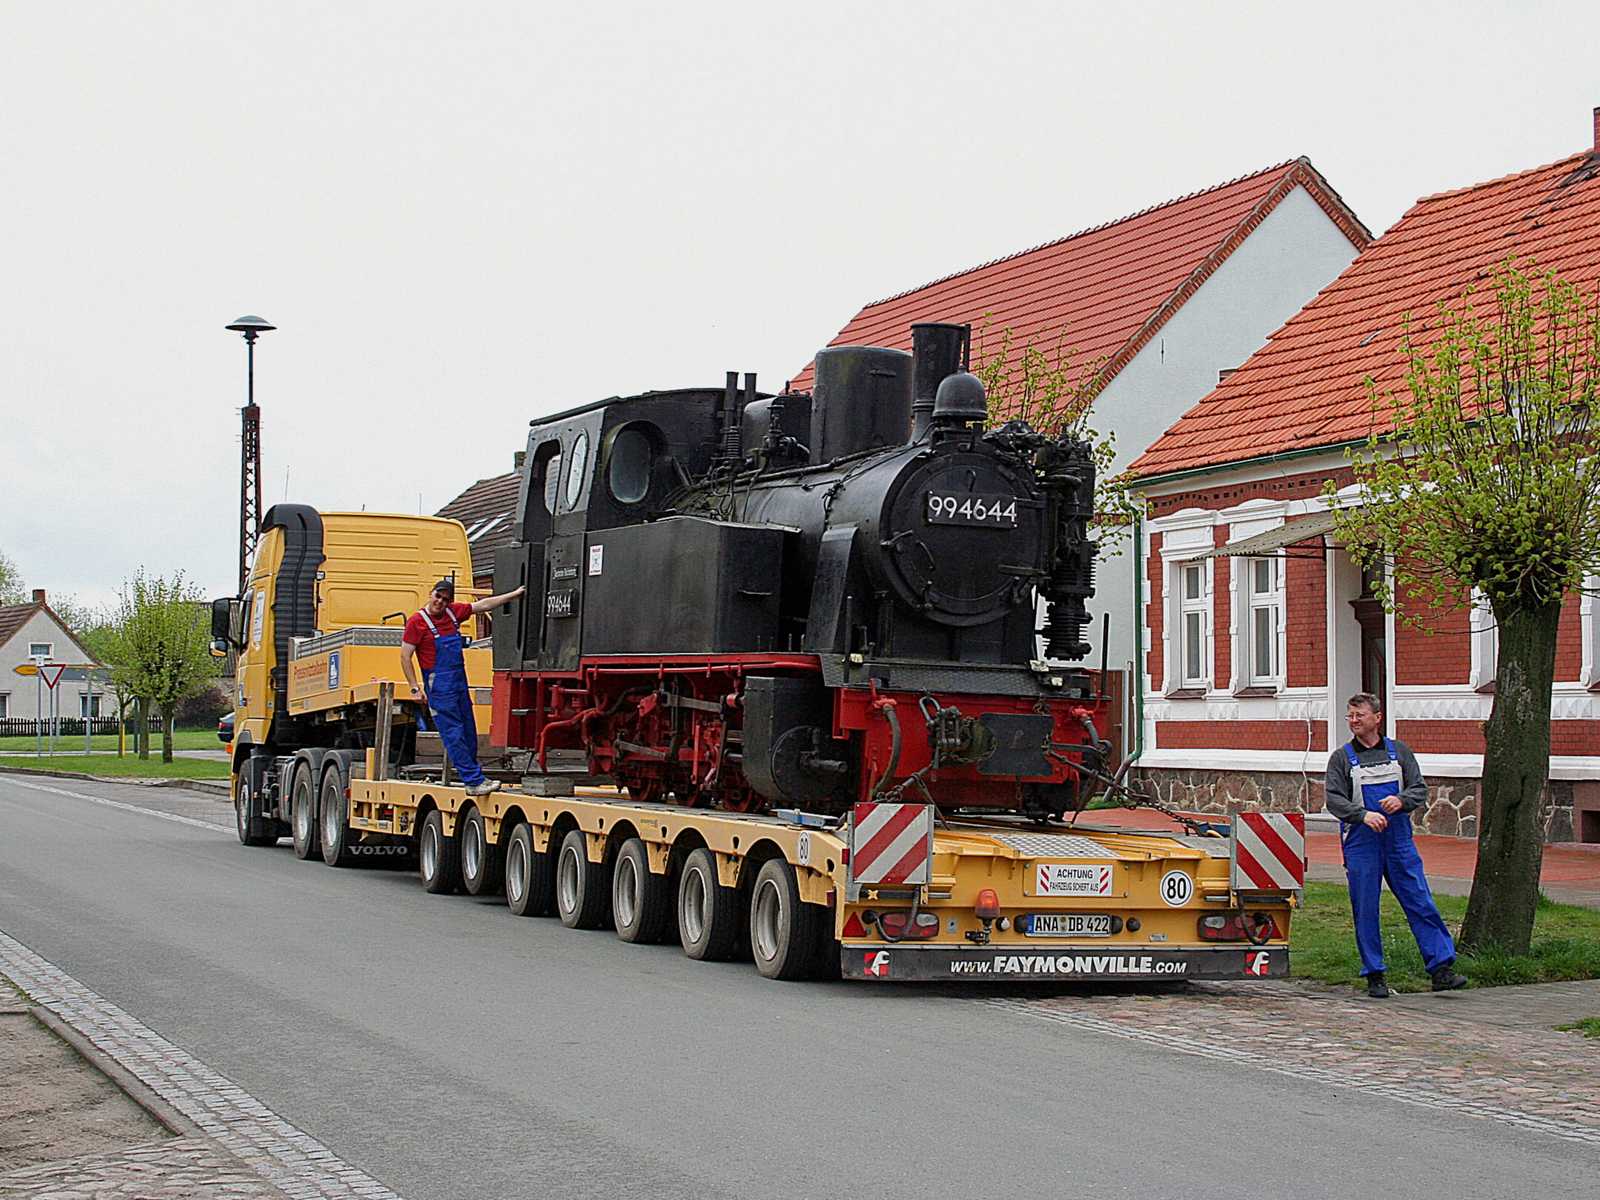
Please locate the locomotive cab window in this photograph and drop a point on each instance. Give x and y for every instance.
(628, 465)
(550, 466)
(575, 472)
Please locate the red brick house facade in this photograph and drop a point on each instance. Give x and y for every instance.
(1258, 625)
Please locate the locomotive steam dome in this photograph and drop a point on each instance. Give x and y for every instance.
(961, 534)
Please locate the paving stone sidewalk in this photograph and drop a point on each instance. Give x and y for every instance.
(1491, 1053)
(177, 1169)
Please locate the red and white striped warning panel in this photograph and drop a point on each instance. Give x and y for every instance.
(1269, 851)
(891, 843)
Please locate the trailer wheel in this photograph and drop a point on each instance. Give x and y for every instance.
(480, 861)
(335, 820)
(641, 901)
(530, 876)
(242, 818)
(708, 913)
(583, 888)
(783, 931)
(438, 857)
(303, 811)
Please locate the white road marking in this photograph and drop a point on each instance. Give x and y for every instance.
(133, 808)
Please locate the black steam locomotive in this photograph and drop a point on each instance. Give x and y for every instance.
(751, 600)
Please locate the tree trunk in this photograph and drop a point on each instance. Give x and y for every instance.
(167, 722)
(141, 728)
(1516, 764)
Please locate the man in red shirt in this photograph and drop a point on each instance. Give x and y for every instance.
(432, 639)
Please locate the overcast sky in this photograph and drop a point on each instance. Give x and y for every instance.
(464, 216)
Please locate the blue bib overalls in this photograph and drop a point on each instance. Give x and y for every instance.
(450, 702)
(1371, 857)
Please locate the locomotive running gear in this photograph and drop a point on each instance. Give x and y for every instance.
(420, 631)
(449, 699)
(1372, 856)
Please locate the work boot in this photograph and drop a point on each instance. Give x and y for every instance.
(1445, 979)
(483, 787)
(1377, 986)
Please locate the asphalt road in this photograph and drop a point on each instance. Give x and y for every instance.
(454, 1051)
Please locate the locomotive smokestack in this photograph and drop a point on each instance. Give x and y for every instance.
(938, 351)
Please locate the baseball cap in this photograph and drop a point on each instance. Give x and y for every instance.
(447, 586)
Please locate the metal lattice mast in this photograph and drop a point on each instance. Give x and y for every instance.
(249, 450)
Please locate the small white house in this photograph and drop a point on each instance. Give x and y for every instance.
(33, 633)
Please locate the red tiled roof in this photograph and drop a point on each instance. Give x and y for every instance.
(489, 511)
(1107, 290)
(1306, 387)
(14, 616)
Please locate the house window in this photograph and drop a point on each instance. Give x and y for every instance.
(88, 706)
(1264, 620)
(41, 650)
(1192, 616)
(5, 705)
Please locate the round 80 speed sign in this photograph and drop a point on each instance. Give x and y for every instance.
(1177, 889)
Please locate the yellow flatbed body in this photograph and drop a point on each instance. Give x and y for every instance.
(1062, 902)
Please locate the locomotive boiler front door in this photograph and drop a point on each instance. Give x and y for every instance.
(565, 567)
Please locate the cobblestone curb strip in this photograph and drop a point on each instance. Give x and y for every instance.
(1533, 1079)
(269, 1147)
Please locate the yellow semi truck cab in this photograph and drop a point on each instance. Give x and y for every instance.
(314, 635)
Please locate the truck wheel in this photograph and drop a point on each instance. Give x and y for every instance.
(480, 861)
(242, 817)
(783, 931)
(641, 901)
(530, 876)
(583, 888)
(708, 913)
(303, 811)
(335, 822)
(438, 857)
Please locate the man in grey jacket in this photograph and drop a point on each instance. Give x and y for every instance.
(1373, 785)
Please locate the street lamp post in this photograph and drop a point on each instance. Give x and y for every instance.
(249, 450)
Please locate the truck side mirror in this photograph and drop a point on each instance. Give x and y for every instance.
(221, 620)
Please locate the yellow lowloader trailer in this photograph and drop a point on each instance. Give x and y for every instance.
(888, 892)
(314, 637)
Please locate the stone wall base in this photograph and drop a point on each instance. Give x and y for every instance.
(1452, 807)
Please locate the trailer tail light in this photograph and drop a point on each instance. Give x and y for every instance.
(1255, 927)
(853, 928)
(897, 923)
(987, 906)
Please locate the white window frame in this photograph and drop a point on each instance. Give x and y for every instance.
(1485, 641)
(1253, 601)
(5, 705)
(83, 705)
(1184, 606)
(1589, 616)
(48, 654)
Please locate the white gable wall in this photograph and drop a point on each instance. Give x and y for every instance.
(1292, 255)
(22, 689)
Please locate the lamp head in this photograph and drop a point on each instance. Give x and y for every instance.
(250, 326)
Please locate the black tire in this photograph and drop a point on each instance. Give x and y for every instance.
(480, 858)
(783, 931)
(303, 811)
(641, 901)
(333, 820)
(530, 876)
(708, 913)
(244, 821)
(438, 856)
(583, 888)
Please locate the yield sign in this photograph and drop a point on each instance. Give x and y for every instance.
(51, 674)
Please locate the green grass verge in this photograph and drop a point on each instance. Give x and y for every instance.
(183, 739)
(127, 767)
(1589, 1027)
(1566, 944)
